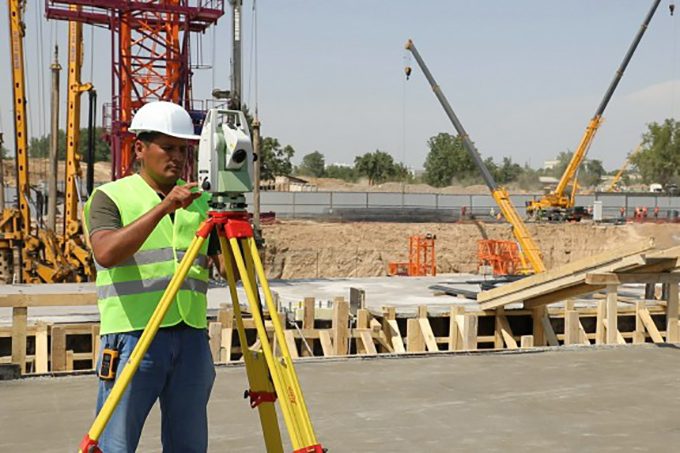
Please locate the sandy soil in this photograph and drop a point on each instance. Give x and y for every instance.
(38, 170)
(298, 249)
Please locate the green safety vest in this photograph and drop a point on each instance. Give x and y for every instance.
(129, 292)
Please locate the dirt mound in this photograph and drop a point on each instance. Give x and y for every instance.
(299, 249)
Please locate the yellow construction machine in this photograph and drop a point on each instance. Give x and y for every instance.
(36, 253)
(612, 185)
(559, 204)
(530, 253)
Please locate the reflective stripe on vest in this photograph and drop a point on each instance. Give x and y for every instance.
(154, 256)
(136, 287)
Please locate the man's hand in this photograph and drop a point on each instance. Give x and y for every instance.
(180, 197)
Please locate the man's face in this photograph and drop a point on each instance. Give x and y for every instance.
(163, 158)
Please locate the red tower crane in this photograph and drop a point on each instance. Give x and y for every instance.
(150, 57)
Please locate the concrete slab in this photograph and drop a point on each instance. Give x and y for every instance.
(619, 399)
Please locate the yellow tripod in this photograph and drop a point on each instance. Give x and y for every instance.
(270, 377)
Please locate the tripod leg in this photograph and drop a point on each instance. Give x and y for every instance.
(282, 390)
(256, 365)
(288, 371)
(148, 335)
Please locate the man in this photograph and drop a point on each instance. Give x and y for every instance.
(140, 227)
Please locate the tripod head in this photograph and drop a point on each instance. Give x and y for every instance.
(225, 159)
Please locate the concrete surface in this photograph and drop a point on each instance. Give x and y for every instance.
(621, 399)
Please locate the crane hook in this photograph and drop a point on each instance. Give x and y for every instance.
(407, 70)
(671, 7)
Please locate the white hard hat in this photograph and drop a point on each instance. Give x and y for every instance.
(164, 117)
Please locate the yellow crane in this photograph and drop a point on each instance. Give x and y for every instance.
(558, 204)
(35, 251)
(618, 176)
(530, 253)
(71, 243)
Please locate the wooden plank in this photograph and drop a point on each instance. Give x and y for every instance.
(527, 341)
(672, 334)
(290, 342)
(573, 285)
(422, 311)
(225, 346)
(581, 265)
(340, 326)
(19, 324)
(226, 318)
(549, 332)
(469, 332)
(647, 320)
(428, 335)
(48, 300)
(560, 295)
(639, 333)
(585, 339)
(537, 319)
(308, 315)
(215, 334)
(497, 334)
(395, 337)
(367, 340)
(506, 331)
(326, 343)
(41, 353)
(612, 314)
(69, 360)
(610, 278)
(58, 348)
(571, 329)
(414, 336)
(455, 339)
(96, 344)
(600, 327)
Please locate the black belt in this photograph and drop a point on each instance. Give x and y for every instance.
(181, 326)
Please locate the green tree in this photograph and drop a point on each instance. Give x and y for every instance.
(343, 172)
(275, 159)
(447, 160)
(40, 146)
(589, 172)
(378, 167)
(658, 161)
(313, 164)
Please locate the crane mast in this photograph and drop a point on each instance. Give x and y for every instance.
(557, 204)
(529, 249)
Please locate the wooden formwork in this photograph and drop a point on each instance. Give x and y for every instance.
(608, 318)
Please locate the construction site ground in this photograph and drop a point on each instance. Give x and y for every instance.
(613, 399)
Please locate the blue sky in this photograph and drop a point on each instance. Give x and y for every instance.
(524, 76)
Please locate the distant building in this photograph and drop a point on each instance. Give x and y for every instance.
(550, 164)
(288, 184)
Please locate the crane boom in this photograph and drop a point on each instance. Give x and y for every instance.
(529, 248)
(623, 169)
(17, 27)
(557, 199)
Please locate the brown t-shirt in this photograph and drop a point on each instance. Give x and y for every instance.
(104, 215)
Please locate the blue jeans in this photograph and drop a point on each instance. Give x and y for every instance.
(178, 370)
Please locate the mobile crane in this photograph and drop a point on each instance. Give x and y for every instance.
(558, 205)
(530, 253)
(612, 185)
(36, 253)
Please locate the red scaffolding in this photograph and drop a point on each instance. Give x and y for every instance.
(150, 57)
(502, 256)
(421, 258)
